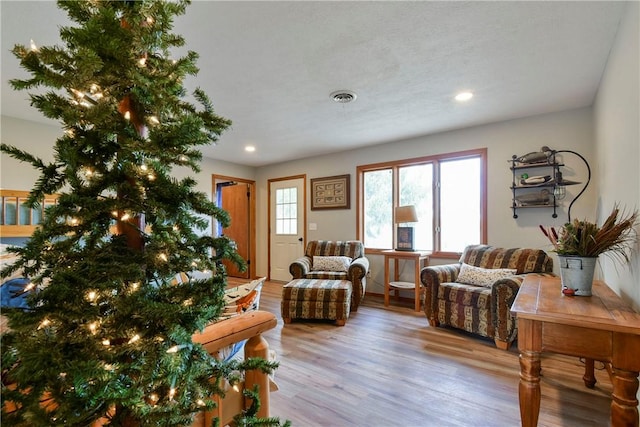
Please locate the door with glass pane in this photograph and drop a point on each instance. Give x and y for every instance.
(286, 216)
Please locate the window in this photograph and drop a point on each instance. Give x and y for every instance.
(287, 210)
(447, 191)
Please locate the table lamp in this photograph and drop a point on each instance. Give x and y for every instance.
(403, 215)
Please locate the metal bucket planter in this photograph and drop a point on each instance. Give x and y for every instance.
(577, 273)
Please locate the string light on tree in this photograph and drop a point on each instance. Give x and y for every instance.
(92, 296)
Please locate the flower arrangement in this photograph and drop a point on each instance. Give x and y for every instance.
(586, 239)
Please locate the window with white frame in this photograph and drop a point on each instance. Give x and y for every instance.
(287, 211)
(448, 192)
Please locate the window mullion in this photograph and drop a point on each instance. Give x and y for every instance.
(396, 201)
(437, 185)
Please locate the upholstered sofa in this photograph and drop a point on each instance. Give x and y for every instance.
(354, 269)
(476, 293)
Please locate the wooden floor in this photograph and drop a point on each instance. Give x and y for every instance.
(387, 367)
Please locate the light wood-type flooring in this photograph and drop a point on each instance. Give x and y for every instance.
(388, 367)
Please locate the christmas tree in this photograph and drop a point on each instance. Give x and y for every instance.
(106, 339)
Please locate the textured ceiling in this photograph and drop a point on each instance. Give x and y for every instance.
(271, 66)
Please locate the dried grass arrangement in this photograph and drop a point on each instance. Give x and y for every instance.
(616, 237)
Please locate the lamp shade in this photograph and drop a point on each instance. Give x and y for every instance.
(406, 214)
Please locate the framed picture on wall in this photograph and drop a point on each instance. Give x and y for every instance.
(331, 192)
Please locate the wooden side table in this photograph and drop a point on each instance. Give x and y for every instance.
(420, 259)
(600, 327)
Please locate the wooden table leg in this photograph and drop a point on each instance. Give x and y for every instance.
(589, 377)
(387, 288)
(416, 279)
(529, 388)
(624, 404)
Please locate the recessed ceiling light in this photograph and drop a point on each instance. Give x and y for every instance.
(464, 96)
(250, 148)
(343, 96)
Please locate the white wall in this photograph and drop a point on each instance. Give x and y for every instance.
(564, 130)
(617, 143)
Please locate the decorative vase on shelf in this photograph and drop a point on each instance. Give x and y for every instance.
(576, 273)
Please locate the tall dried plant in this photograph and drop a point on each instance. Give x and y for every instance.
(616, 237)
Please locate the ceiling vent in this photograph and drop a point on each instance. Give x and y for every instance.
(343, 96)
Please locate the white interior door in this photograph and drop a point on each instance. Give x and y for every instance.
(286, 230)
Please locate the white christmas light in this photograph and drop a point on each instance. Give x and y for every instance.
(33, 46)
(93, 327)
(133, 339)
(92, 295)
(106, 342)
(200, 402)
(135, 286)
(78, 93)
(127, 115)
(144, 168)
(154, 120)
(151, 177)
(44, 323)
(172, 392)
(174, 349)
(142, 62)
(125, 217)
(163, 257)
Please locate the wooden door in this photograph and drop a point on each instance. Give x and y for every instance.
(235, 199)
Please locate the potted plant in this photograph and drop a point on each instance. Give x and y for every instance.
(580, 243)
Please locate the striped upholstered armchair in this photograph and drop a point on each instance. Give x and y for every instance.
(476, 293)
(354, 268)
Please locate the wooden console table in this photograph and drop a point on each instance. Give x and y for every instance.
(601, 327)
(420, 259)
